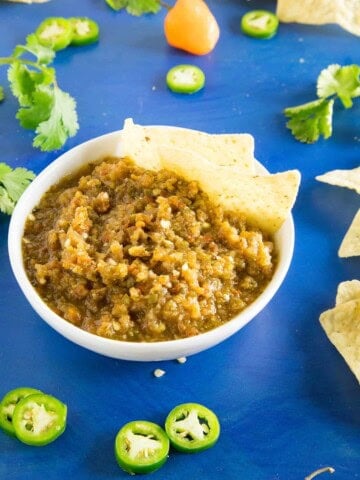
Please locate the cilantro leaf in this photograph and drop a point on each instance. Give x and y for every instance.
(309, 121)
(39, 110)
(139, 7)
(135, 7)
(16, 181)
(44, 55)
(117, 4)
(4, 170)
(23, 82)
(13, 182)
(61, 124)
(6, 204)
(2, 94)
(340, 81)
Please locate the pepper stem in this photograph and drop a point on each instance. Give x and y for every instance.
(319, 471)
(165, 5)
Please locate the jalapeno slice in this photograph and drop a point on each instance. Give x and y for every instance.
(55, 32)
(141, 447)
(8, 404)
(185, 79)
(191, 427)
(39, 419)
(85, 31)
(259, 24)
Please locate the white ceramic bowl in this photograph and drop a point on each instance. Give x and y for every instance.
(71, 161)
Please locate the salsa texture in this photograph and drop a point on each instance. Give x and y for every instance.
(140, 255)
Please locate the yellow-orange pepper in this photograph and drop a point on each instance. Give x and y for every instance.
(190, 25)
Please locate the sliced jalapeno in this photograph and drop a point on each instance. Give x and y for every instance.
(85, 31)
(192, 427)
(55, 32)
(259, 24)
(8, 404)
(141, 447)
(185, 79)
(39, 419)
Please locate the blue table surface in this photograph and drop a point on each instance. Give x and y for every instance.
(286, 400)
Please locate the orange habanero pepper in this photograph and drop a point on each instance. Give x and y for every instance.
(189, 25)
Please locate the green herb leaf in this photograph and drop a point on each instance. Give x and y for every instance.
(340, 81)
(2, 94)
(135, 7)
(6, 204)
(39, 110)
(43, 107)
(44, 55)
(117, 4)
(61, 124)
(13, 182)
(4, 170)
(311, 120)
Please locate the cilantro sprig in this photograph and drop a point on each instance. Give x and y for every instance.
(136, 7)
(43, 106)
(13, 182)
(310, 121)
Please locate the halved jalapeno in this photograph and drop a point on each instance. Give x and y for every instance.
(39, 419)
(191, 427)
(259, 24)
(141, 447)
(55, 32)
(85, 31)
(8, 404)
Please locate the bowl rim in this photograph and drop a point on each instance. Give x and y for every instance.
(137, 351)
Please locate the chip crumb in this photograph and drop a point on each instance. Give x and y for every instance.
(181, 359)
(158, 372)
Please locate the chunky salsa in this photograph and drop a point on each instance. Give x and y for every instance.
(140, 255)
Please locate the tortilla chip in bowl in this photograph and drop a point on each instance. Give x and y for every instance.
(190, 159)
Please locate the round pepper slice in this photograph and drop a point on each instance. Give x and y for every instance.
(141, 447)
(8, 404)
(55, 32)
(259, 24)
(85, 31)
(185, 79)
(191, 427)
(39, 419)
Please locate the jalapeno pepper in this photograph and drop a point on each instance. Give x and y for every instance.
(55, 32)
(185, 79)
(141, 447)
(8, 404)
(192, 427)
(85, 31)
(39, 419)
(259, 24)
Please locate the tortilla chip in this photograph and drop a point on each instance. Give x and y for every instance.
(348, 291)
(226, 177)
(350, 246)
(346, 13)
(342, 326)
(222, 149)
(264, 200)
(342, 178)
(135, 145)
(141, 144)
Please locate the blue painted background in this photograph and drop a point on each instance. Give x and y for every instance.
(285, 398)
